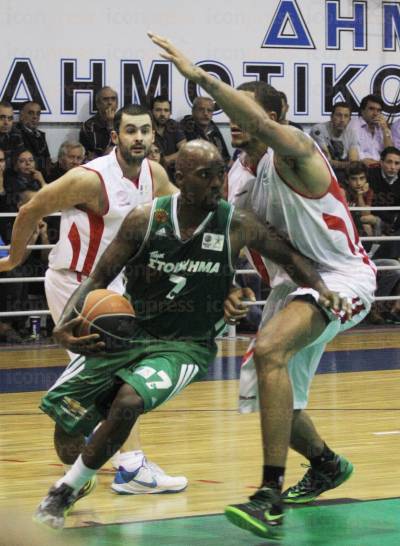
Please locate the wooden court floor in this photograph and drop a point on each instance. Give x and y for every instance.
(200, 434)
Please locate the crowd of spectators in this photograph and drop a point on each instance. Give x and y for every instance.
(362, 147)
(364, 154)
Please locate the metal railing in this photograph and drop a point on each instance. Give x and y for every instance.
(239, 271)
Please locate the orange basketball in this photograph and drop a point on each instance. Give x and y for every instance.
(109, 314)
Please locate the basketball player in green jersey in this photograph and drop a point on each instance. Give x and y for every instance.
(179, 253)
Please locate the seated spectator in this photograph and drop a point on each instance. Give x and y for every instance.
(396, 133)
(372, 130)
(388, 281)
(25, 295)
(168, 136)
(10, 138)
(70, 154)
(24, 174)
(384, 179)
(95, 134)
(337, 139)
(6, 205)
(359, 194)
(388, 284)
(155, 154)
(7, 332)
(200, 125)
(285, 109)
(34, 139)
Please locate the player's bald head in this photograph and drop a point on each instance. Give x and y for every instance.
(194, 153)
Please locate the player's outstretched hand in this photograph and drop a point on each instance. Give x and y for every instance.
(336, 302)
(171, 53)
(85, 345)
(235, 306)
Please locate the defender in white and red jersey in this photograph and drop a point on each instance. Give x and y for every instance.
(84, 235)
(296, 192)
(323, 230)
(94, 200)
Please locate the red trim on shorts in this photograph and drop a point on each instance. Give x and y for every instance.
(105, 194)
(75, 240)
(248, 355)
(96, 226)
(357, 306)
(260, 266)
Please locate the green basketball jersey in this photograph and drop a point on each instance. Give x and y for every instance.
(178, 287)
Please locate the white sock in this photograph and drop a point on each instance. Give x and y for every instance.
(131, 460)
(78, 475)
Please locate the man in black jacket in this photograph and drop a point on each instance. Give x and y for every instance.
(34, 139)
(201, 125)
(95, 134)
(10, 138)
(384, 179)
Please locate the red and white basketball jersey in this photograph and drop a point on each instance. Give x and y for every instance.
(320, 228)
(85, 235)
(240, 183)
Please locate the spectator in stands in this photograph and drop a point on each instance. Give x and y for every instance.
(369, 224)
(29, 295)
(337, 139)
(372, 130)
(396, 133)
(34, 139)
(5, 206)
(155, 154)
(388, 284)
(384, 179)
(70, 154)
(285, 109)
(359, 194)
(10, 138)
(169, 137)
(24, 175)
(95, 134)
(7, 332)
(200, 125)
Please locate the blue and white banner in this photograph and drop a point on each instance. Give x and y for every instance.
(316, 51)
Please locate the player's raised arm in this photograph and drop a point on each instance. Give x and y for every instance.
(240, 108)
(246, 230)
(77, 187)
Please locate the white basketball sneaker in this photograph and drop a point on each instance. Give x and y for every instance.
(146, 478)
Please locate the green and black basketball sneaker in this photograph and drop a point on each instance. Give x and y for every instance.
(54, 507)
(84, 491)
(262, 515)
(314, 482)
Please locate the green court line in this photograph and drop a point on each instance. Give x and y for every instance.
(369, 523)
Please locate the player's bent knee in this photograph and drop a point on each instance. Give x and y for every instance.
(68, 446)
(269, 354)
(127, 405)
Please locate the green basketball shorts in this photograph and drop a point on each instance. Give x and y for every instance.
(157, 371)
